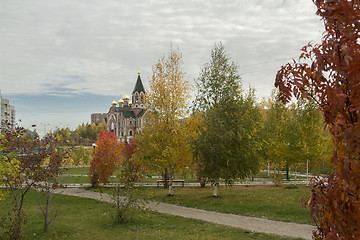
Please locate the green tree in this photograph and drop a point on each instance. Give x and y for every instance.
(79, 156)
(227, 144)
(162, 143)
(274, 134)
(310, 133)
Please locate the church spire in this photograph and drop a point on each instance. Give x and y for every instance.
(138, 86)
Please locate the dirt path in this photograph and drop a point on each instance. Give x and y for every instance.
(286, 229)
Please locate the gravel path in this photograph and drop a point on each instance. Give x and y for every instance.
(286, 229)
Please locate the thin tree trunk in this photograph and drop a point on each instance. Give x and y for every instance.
(166, 177)
(290, 172)
(46, 214)
(295, 173)
(269, 169)
(307, 171)
(170, 183)
(215, 189)
(275, 181)
(118, 204)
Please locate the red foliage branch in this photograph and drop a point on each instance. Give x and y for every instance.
(333, 80)
(132, 169)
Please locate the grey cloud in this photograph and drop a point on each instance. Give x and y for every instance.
(107, 42)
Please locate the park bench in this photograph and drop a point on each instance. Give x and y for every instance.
(174, 181)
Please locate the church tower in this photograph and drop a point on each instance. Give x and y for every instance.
(138, 94)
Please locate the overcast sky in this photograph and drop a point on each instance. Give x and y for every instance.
(60, 61)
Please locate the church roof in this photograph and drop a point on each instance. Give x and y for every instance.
(139, 86)
(128, 114)
(141, 113)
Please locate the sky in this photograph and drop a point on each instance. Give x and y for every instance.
(61, 61)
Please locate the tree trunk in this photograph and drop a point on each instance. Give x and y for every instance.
(170, 183)
(295, 173)
(215, 189)
(166, 177)
(275, 181)
(46, 224)
(202, 182)
(269, 169)
(287, 174)
(17, 231)
(290, 172)
(307, 171)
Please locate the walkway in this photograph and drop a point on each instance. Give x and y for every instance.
(287, 229)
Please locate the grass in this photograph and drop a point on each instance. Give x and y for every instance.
(277, 203)
(89, 219)
(77, 171)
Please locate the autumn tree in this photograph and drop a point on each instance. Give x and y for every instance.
(106, 157)
(131, 167)
(310, 133)
(80, 156)
(9, 165)
(162, 143)
(329, 74)
(128, 200)
(275, 133)
(30, 155)
(227, 144)
(52, 169)
(82, 135)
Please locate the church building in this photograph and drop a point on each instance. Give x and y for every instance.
(126, 118)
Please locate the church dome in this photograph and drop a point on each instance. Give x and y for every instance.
(126, 97)
(130, 104)
(120, 101)
(113, 103)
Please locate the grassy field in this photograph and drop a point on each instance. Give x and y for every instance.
(277, 203)
(77, 171)
(90, 219)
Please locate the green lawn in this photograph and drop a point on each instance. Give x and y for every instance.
(77, 171)
(277, 203)
(89, 219)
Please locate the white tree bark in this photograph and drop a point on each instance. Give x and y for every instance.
(275, 183)
(215, 189)
(289, 172)
(269, 169)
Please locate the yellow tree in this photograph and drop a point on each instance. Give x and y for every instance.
(275, 141)
(9, 165)
(163, 142)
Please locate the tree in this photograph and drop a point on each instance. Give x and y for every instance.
(275, 132)
(52, 169)
(31, 154)
(80, 156)
(131, 167)
(311, 139)
(332, 80)
(162, 143)
(227, 144)
(9, 165)
(126, 197)
(106, 157)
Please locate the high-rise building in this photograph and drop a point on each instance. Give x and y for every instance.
(8, 115)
